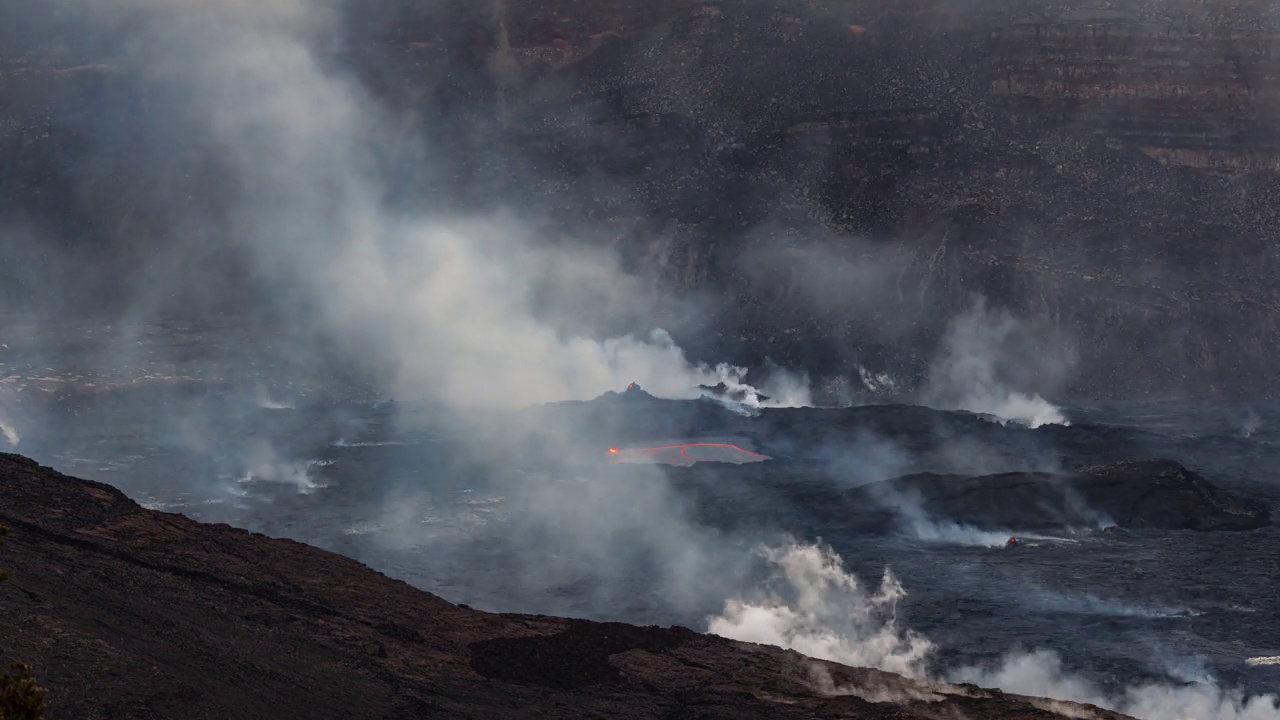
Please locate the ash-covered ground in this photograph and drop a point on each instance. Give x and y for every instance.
(529, 511)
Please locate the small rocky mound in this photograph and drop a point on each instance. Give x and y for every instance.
(132, 613)
(1158, 494)
(632, 393)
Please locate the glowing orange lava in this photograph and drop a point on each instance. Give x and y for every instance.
(683, 448)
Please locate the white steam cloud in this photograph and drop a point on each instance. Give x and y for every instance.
(951, 533)
(918, 524)
(9, 432)
(872, 459)
(823, 611)
(446, 307)
(782, 389)
(265, 401)
(439, 306)
(1252, 424)
(1041, 674)
(1088, 604)
(263, 463)
(988, 363)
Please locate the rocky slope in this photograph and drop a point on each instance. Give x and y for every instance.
(131, 613)
(841, 175)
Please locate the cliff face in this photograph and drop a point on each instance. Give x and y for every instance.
(1111, 171)
(131, 613)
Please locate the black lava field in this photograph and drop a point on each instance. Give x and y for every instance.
(1146, 544)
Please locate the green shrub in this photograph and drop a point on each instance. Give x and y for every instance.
(21, 697)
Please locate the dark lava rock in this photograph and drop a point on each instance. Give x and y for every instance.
(132, 613)
(1138, 494)
(574, 658)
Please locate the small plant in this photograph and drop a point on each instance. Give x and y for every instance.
(21, 697)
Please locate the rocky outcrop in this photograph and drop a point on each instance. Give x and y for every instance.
(131, 613)
(1143, 494)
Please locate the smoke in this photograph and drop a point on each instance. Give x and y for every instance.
(478, 311)
(990, 362)
(869, 460)
(267, 402)
(461, 332)
(825, 612)
(10, 433)
(780, 388)
(452, 307)
(787, 389)
(544, 525)
(8, 428)
(603, 530)
(952, 533)
(436, 305)
(1252, 423)
(1041, 674)
(866, 458)
(1089, 604)
(263, 463)
(834, 280)
(918, 524)
(882, 689)
(263, 146)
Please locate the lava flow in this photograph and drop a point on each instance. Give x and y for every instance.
(685, 454)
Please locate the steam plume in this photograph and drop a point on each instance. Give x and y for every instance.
(10, 433)
(437, 306)
(990, 362)
(823, 611)
(1041, 674)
